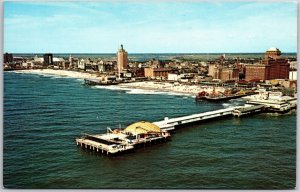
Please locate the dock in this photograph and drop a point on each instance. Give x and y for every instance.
(118, 141)
(94, 82)
(248, 110)
(274, 105)
(221, 97)
(146, 133)
(101, 145)
(170, 124)
(224, 98)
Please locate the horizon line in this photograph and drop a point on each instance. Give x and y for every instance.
(150, 52)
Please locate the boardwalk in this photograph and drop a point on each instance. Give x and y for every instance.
(170, 124)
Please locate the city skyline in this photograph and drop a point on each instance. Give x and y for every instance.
(159, 27)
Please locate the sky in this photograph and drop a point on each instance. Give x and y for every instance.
(149, 27)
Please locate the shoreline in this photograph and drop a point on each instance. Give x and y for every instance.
(167, 87)
(62, 73)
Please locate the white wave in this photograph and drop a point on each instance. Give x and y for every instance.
(43, 74)
(110, 87)
(154, 92)
(80, 80)
(142, 91)
(227, 105)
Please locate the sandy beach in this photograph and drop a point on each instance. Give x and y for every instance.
(170, 87)
(146, 85)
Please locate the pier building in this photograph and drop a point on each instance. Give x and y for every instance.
(119, 141)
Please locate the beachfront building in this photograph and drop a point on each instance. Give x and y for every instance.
(223, 73)
(48, 59)
(273, 66)
(122, 59)
(293, 75)
(7, 57)
(101, 67)
(82, 64)
(158, 73)
(173, 77)
(59, 63)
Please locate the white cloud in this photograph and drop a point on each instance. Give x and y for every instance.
(98, 28)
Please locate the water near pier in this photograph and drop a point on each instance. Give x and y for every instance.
(44, 114)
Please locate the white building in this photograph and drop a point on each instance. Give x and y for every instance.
(293, 75)
(82, 64)
(172, 77)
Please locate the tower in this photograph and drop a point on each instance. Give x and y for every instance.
(71, 61)
(122, 59)
(273, 53)
(48, 59)
(7, 58)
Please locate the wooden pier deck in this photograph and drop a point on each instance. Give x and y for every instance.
(91, 142)
(248, 110)
(170, 124)
(117, 143)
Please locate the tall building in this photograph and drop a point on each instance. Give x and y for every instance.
(273, 66)
(48, 59)
(122, 59)
(7, 58)
(223, 73)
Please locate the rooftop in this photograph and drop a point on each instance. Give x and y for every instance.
(142, 127)
(273, 49)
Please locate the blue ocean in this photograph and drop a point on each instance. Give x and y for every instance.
(44, 114)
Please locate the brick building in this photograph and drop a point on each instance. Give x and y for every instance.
(223, 73)
(161, 73)
(7, 58)
(122, 59)
(273, 66)
(257, 71)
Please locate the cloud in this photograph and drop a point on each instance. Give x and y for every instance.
(150, 27)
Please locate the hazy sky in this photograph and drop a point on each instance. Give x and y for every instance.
(149, 27)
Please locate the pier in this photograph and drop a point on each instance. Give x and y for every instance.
(170, 124)
(142, 134)
(99, 144)
(248, 110)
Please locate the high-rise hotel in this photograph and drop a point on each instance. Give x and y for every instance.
(122, 59)
(273, 66)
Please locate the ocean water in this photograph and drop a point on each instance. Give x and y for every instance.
(44, 114)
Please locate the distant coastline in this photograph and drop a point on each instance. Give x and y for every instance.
(183, 89)
(161, 56)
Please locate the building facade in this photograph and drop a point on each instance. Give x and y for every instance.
(273, 66)
(122, 59)
(7, 58)
(223, 73)
(158, 73)
(48, 59)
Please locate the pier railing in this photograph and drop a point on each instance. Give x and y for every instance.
(170, 124)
